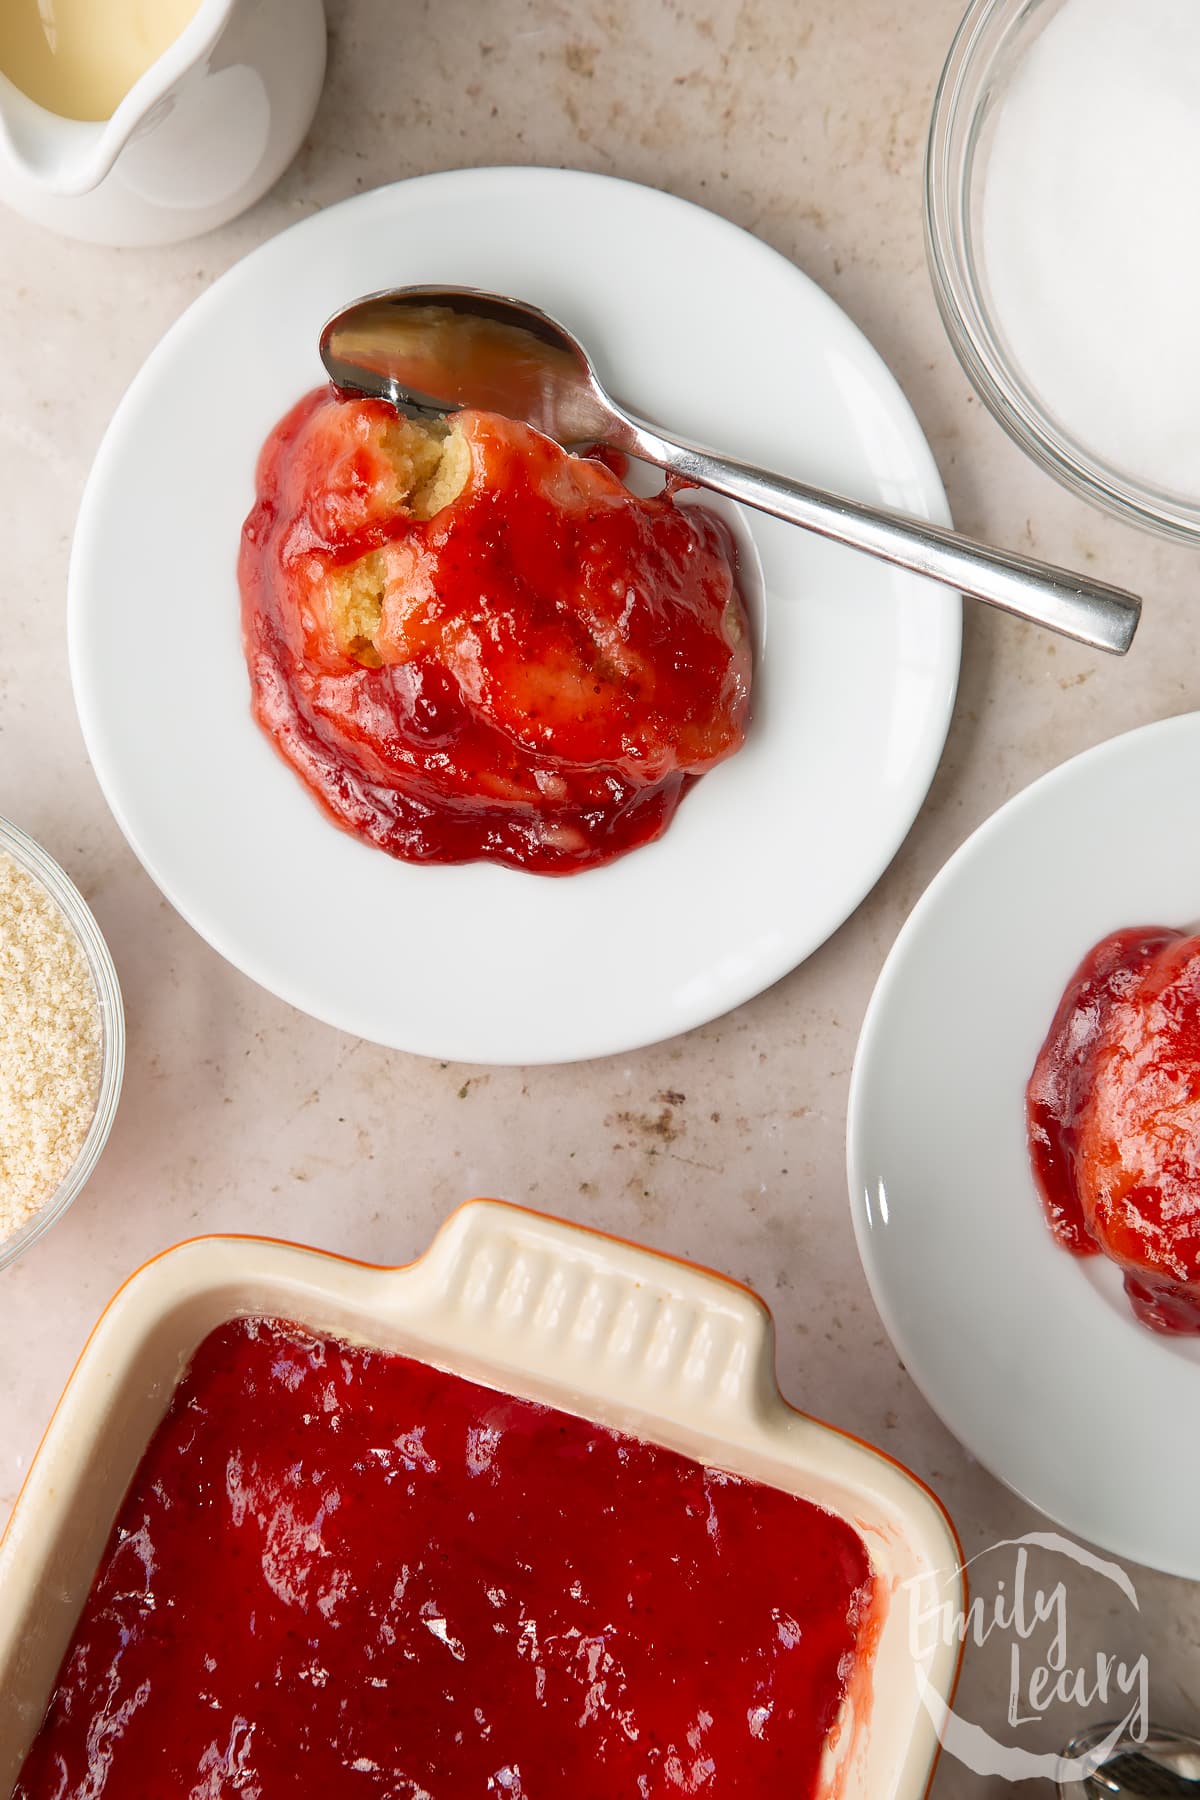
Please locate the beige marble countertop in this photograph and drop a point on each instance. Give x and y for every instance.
(805, 124)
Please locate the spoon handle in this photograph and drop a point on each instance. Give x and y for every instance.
(1089, 611)
(1133, 1773)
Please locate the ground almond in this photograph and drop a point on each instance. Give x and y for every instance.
(50, 1047)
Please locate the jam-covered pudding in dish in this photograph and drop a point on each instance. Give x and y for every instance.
(338, 1572)
(1113, 1112)
(470, 644)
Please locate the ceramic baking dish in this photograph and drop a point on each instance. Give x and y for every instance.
(535, 1307)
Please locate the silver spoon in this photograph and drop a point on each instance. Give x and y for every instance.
(1134, 1773)
(1132, 1770)
(434, 349)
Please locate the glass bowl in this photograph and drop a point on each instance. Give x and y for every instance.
(990, 42)
(44, 870)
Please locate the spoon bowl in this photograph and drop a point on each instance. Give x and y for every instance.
(435, 350)
(429, 355)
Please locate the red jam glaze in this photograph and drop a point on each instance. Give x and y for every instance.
(338, 1572)
(1113, 1115)
(561, 659)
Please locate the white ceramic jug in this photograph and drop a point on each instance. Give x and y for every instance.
(204, 132)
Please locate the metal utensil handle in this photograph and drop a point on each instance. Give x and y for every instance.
(1089, 611)
(1134, 1773)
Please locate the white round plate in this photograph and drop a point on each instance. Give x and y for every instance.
(1030, 1355)
(701, 327)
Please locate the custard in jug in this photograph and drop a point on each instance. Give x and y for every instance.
(79, 58)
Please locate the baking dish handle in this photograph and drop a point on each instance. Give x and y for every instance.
(546, 1297)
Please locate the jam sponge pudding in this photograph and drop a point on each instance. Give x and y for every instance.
(470, 644)
(1113, 1112)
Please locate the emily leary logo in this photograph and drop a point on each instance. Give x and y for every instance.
(1042, 1671)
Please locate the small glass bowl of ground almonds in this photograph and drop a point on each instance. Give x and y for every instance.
(62, 1042)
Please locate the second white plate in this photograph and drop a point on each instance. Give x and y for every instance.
(700, 326)
(1031, 1356)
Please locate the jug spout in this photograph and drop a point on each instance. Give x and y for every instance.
(69, 157)
(62, 156)
(192, 141)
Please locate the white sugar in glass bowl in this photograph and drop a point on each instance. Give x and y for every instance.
(57, 886)
(1059, 243)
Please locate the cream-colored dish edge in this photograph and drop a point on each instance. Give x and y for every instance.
(530, 1305)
